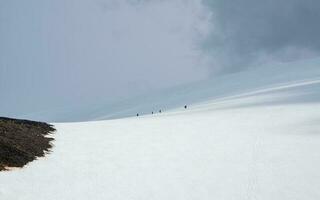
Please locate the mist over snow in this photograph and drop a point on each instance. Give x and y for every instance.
(77, 52)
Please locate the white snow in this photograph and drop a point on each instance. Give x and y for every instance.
(259, 139)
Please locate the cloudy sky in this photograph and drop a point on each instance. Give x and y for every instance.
(64, 52)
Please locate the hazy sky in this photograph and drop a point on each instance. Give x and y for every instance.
(64, 52)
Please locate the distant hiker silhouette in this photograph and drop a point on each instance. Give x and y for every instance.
(152, 112)
(159, 111)
(185, 107)
(137, 114)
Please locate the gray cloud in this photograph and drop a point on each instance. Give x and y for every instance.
(246, 31)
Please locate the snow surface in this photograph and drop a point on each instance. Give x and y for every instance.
(246, 138)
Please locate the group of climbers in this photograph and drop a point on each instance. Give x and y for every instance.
(160, 111)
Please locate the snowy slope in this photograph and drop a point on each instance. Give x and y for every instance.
(217, 87)
(252, 139)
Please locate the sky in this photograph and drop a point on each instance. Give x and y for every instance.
(250, 33)
(77, 52)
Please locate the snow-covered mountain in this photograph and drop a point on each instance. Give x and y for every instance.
(248, 135)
